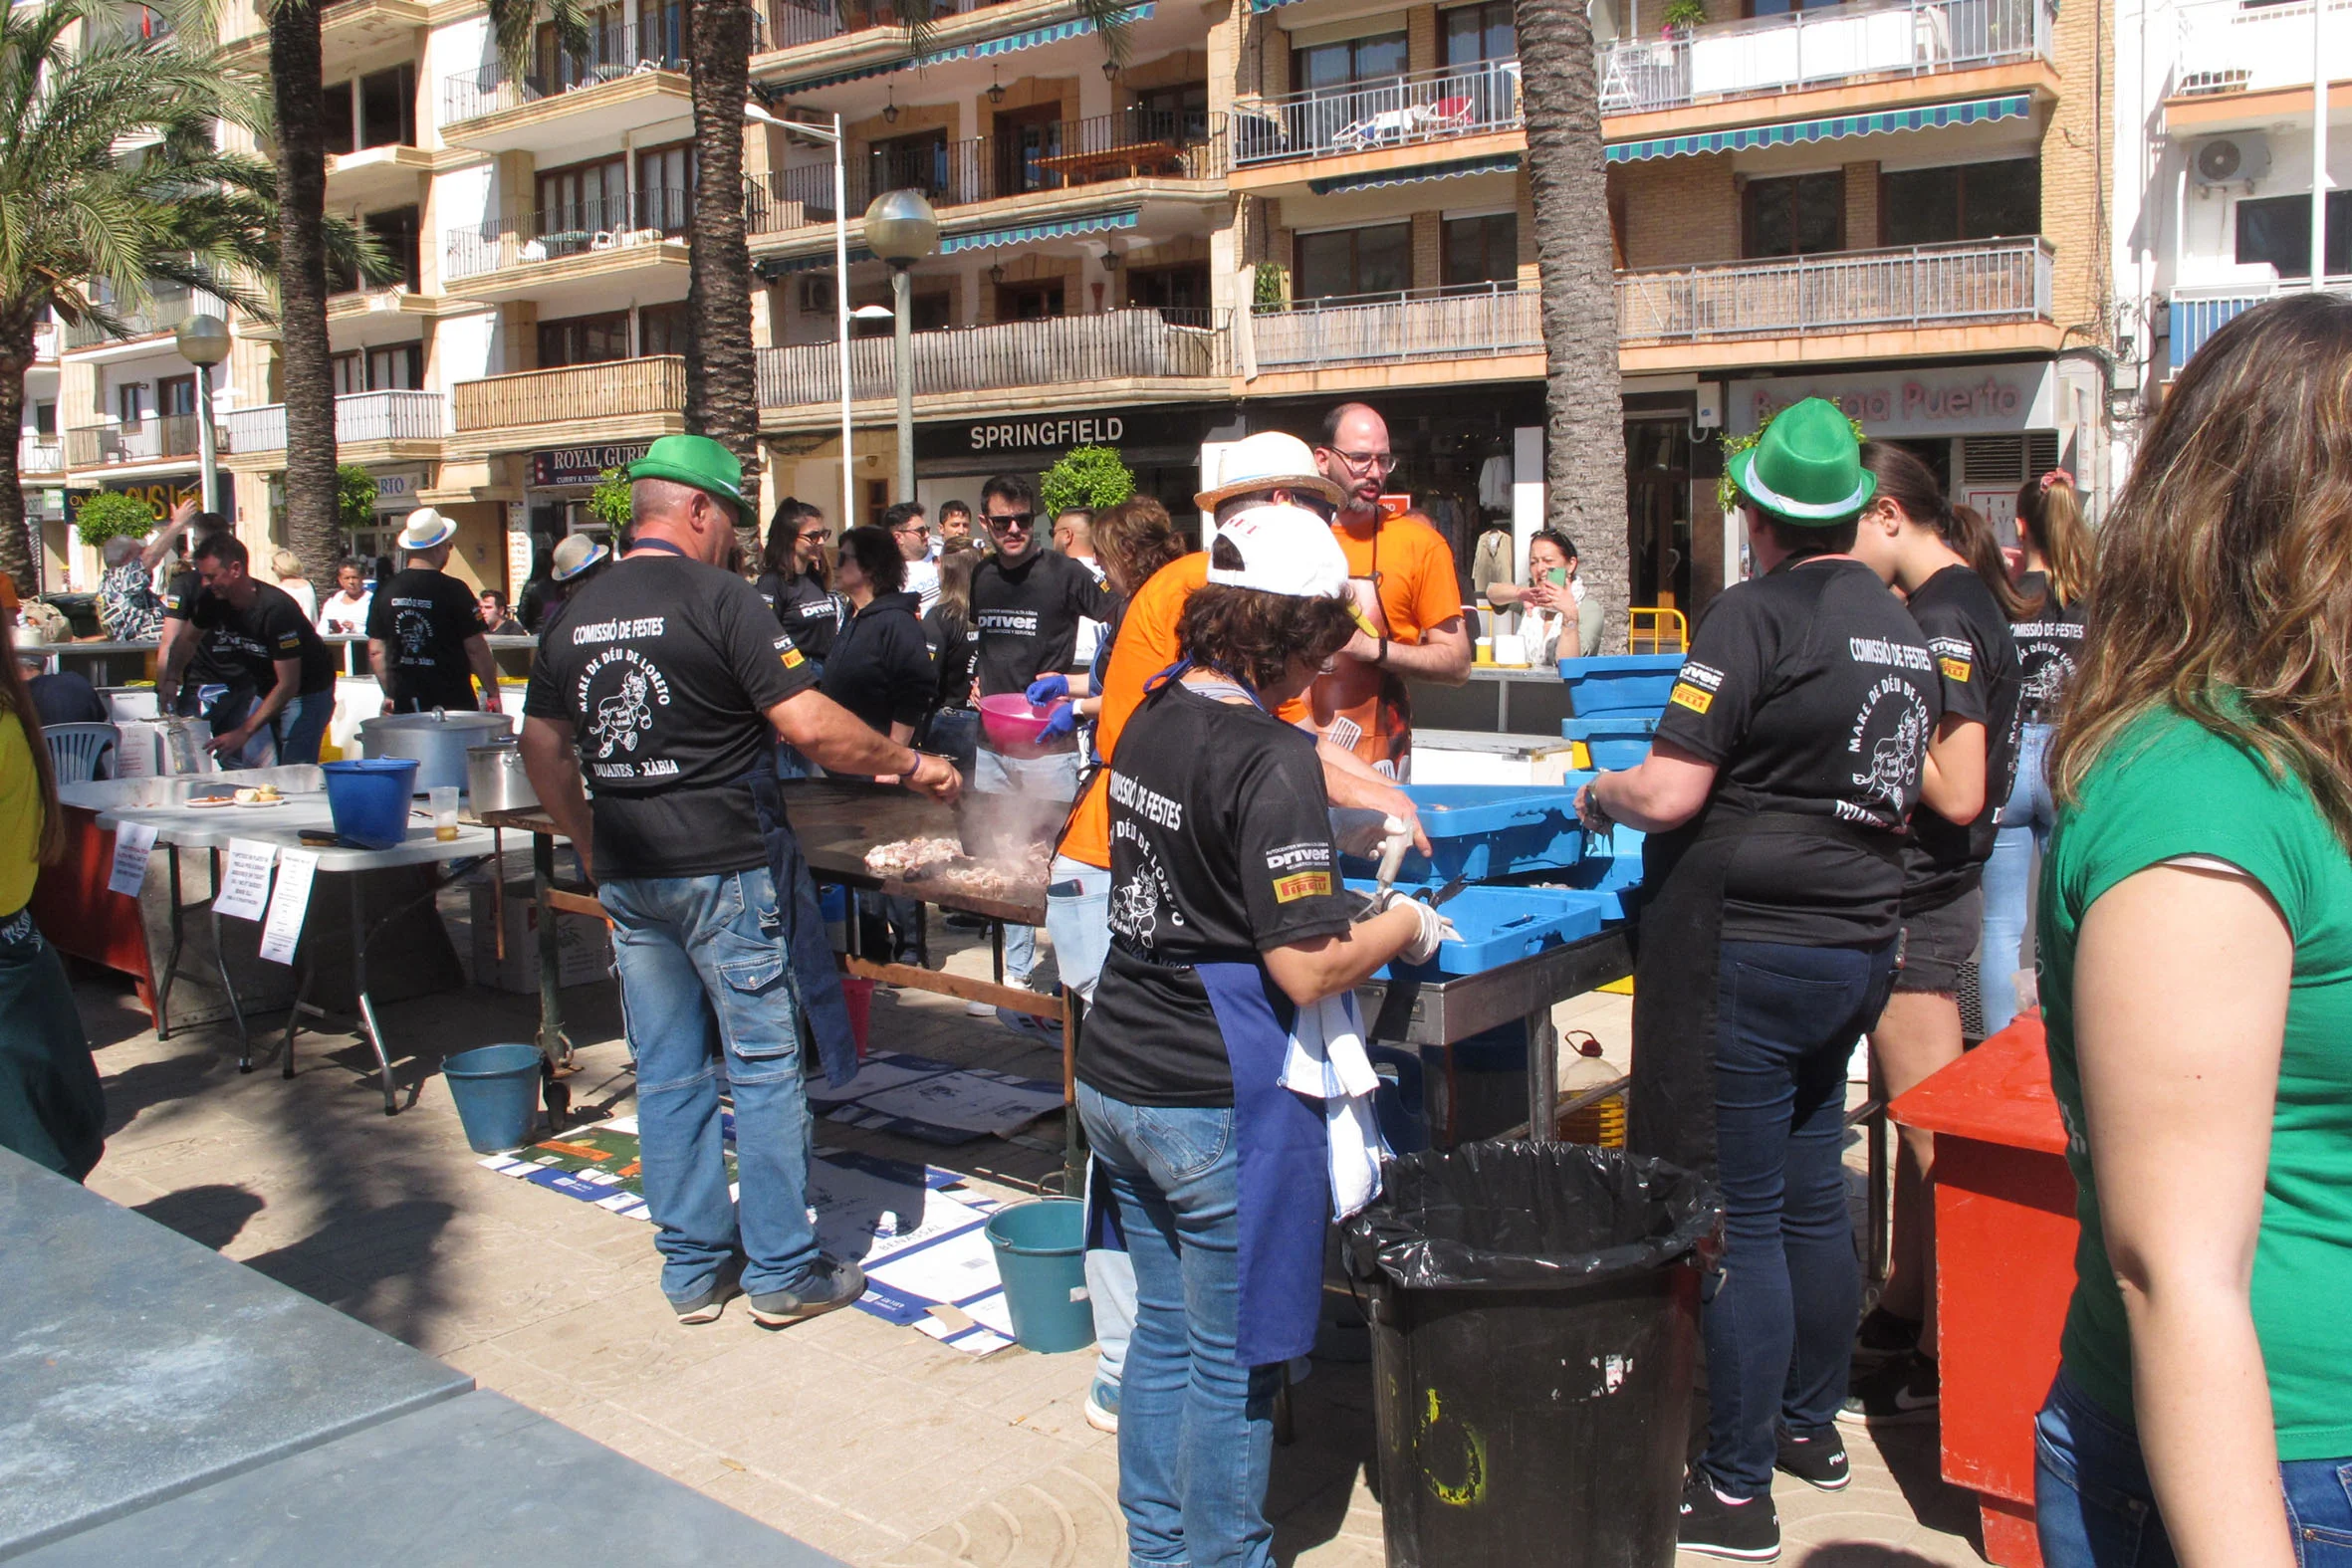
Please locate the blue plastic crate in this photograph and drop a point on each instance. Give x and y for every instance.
(1501, 925)
(1611, 872)
(1484, 832)
(1628, 683)
(1617, 740)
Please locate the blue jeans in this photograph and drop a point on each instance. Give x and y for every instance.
(1779, 1326)
(2094, 1507)
(300, 726)
(1053, 776)
(710, 1007)
(2026, 823)
(1196, 1428)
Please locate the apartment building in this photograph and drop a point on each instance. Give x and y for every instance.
(1256, 209)
(2216, 156)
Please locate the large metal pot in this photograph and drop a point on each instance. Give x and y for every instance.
(494, 779)
(437, 740)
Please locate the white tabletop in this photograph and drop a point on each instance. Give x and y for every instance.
(162, 803)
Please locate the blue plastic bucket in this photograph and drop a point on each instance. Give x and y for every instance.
(370, 799)
(497, 1092)
(1040, 1250)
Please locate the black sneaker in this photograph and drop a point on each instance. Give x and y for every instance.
(1743, 1532)
(830, 1285)
(1818, 1460)
(712, 1301)
(1903, 1391)
(1884, 1336)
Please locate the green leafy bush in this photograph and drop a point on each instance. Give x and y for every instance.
(1685, 13)
(354, 495)
(113, 515)
(1092, 477)
(609, 505)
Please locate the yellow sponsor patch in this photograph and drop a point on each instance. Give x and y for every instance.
(1955, 669)
(1305, 884)
(792, 659)
(1692, 697)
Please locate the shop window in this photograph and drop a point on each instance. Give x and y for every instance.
(583, 339)
(1339, 263)
(665, 188)
(1476, 33)
(1030, 301)
(336, 119)
(1480, 251)
(1178, 113)
(1799, 215)
(582, 200)
(388, 107)
(1969, 201)
(1177, 289)
(916, 162)
(2278, 230)
(1327, 67)
(662, 329)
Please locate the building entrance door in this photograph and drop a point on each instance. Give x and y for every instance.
(1657, 509)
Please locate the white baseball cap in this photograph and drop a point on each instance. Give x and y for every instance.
(1269, 460)
(1286, 549)
(425, 529)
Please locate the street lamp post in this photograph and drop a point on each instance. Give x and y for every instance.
(833, 138)
(901, 229)
(204, 342)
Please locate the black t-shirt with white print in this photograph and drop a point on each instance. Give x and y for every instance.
(1977, 662)
(1028, 616)
(248, 642)
(1220, 847)
(1813, 695)
(423, 619)
(666, 669)
(2049, 647)
(810, 614)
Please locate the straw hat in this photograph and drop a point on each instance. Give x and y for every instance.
(1269, 460)
(425, 529)
(576, 554)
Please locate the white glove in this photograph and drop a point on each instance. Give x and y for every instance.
(1435, 928)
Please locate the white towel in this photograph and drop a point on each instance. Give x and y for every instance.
(1325, 1061)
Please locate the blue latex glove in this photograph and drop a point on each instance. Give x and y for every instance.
(1048, 688)
(1064, 721)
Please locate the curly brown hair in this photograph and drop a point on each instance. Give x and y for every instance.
(1254, 637)
(1134, 539)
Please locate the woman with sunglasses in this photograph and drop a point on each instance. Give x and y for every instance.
(795, 578)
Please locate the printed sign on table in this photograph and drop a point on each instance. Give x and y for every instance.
(283, 929)
(245, 885)
(133, 841)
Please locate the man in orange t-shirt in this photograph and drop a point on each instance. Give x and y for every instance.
(1402, 572)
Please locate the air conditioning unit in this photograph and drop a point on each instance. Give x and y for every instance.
(817, 293)
(2230, 160)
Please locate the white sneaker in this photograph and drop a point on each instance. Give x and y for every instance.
(979, 1010)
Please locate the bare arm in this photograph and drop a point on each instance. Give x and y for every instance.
(2180, 1000)
(1666, 790)
(1442, 655)
(1951, 782)
(379, 660)
(1324, 967)
(552, 767)
(485, 668)
(1349, 781)
(174, 649)
(168, 536)
(837, 739)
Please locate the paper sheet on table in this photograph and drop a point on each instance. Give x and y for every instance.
(133, 841)
(283, 929)
(245, 885)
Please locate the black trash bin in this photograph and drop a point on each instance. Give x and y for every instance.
(1534, 1317)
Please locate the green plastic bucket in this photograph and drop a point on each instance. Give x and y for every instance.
(1041, 1251)
(496, 1088)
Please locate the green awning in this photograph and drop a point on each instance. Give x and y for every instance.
(775, 267)
(1027, 233)
(1797, 133)
(1500, 164)
(1031, 38)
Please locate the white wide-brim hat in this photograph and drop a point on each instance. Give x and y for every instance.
(1285, 549)
(574, 555)
(1269, 460)
(425, 529)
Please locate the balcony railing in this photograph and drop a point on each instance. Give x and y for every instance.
(612, 53)
(36, 456)
(1838, 292)
(1392, 112)
(1136, 144)
(359, 416)
(169, 309)
(45, 339)
(134, 441)
(1817, 47)
(1452, 324)
(793, 22)
(2229, 48)
(2196, 313)
(1124, 344)
(653, 385)
(575, 229)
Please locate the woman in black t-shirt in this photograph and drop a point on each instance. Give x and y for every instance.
(882, 672)
(954, 729)
(795, 579)
(1788, 755)
(1228, 924)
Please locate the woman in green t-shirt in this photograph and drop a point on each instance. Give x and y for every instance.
(2196, 977)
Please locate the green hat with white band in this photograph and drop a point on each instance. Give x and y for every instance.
(693, 460)
(1806, 466)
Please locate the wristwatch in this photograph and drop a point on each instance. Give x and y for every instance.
(1382, 656)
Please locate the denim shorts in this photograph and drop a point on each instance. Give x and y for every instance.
(1936, 942)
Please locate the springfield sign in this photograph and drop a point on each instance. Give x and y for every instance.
(1039, 435)
(1984, 400)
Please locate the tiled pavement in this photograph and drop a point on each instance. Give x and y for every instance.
(867, 1441)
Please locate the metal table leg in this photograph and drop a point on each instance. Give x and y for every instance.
(170, 964)
(368, 1024)
(554, 1045)
(1543, 1077)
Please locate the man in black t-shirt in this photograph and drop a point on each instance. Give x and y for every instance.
(424, 638)
(257, 630)
(212, 689)
(647, 731)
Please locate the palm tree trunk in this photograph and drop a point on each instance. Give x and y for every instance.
(18, 556)
(1584, 430)
(722, 401)
(312, 529)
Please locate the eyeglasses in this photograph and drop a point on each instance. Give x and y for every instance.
(908, 527)
(1367, 462)
(814, 535)
(1016, 520)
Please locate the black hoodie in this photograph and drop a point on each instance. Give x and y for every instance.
(880, 668)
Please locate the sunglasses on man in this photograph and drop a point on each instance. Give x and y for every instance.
(1011, 520)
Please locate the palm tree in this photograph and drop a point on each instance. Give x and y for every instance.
(1584, 430)
(85, 232)
(722, 399)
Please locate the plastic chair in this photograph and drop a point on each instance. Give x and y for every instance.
(77, 751)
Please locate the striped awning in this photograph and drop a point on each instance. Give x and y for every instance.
(1027, 233)
(1266, 5)
(1500, 164)
(1030, 37)
(775, 267)
(1795, 133)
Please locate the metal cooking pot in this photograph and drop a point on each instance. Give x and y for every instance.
(437, 740)
(494, 779)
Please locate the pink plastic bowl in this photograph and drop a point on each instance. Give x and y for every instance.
(1010, 721)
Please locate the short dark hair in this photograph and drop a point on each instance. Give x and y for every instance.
(876, 554)
(225, 548)
(1808, 539)
(1253, 636)
(1330, 426)
(1015, 488)
(211, 522)
(497, 594)
(897, 516)
(948, 509)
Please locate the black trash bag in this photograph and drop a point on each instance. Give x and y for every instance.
(1504, 1216)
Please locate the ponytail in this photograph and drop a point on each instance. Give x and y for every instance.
(1971, 537)
(2049, 518)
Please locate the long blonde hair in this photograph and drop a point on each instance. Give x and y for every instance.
(2227, 567)
(2049, 516)
(16, 697)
